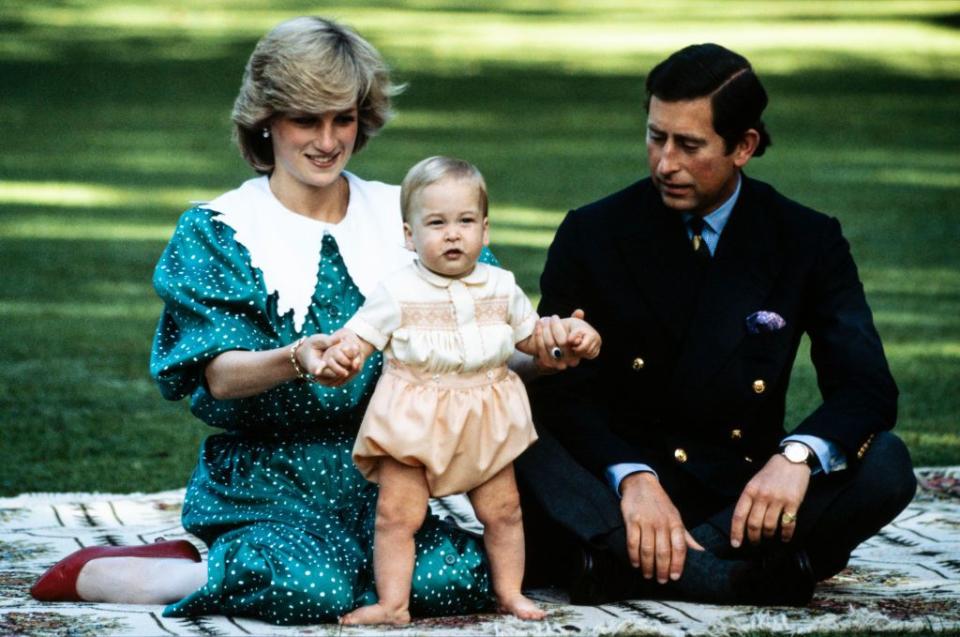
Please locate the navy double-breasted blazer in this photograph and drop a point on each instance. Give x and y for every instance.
(680, 383)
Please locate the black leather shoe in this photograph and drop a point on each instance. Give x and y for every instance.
(779, 578)
(598, 578)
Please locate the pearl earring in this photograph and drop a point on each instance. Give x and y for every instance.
(266, 132)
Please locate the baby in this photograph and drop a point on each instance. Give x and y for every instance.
(447, 416)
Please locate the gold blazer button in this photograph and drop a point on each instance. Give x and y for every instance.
(759, 386)
(736, 434)
(680, 455)
(638, 364)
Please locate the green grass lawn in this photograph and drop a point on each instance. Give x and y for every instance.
(115, 116)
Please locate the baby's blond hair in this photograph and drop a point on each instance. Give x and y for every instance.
(430, 171)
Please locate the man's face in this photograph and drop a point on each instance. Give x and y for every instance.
(688, 159)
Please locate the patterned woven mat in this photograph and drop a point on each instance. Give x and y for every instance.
(907, 578)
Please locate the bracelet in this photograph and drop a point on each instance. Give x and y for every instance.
(301, 374)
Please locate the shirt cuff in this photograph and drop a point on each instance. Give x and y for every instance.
(526, 327)
(615, 473)
(830, 456)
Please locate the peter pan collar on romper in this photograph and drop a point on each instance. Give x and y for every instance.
(479, 276)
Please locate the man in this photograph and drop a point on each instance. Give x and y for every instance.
(665, 462)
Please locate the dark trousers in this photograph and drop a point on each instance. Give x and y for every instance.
(566, 507)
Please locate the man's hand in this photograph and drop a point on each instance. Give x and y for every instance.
(550, 336)
(778, 489)
(656, 538)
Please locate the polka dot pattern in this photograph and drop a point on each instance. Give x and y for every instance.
(288, 519)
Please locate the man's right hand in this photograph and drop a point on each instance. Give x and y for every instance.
(657, 541)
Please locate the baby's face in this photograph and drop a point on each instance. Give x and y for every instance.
(448, 229)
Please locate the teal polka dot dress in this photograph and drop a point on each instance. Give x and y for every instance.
(287, 518)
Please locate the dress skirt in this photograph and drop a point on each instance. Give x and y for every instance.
(462, 428)
(290, 527)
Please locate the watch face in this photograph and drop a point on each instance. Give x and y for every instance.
(796, 453)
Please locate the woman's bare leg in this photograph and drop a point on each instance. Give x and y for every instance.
(139, 580)
(401, 508)
(497, 504)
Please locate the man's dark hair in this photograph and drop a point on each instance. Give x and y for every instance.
(736, 94)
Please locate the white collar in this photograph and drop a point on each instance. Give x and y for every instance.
(286, 246)
(479, 276)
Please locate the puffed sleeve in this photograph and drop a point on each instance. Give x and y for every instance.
(216, 301)
(377, 319)
(213, 302)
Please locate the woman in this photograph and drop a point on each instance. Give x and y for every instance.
(252, 283)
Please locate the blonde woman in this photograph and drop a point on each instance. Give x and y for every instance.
(253, 282)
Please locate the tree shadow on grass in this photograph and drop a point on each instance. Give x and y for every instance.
(867, 144)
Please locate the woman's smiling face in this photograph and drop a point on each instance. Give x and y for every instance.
(312, 150)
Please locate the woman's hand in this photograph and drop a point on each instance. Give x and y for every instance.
(240, 374)
(310, 353)
(341, 361)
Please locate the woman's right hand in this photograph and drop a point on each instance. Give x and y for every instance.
(310, 354)
(332, 359)
(240, 373)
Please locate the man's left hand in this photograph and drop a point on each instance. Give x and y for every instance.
(550, 335)
(770, 500)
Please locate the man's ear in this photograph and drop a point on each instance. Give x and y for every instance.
(746, 147)
(408, 235)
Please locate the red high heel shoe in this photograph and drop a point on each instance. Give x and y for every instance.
(59, 583)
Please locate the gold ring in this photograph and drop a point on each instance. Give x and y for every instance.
(788, 518)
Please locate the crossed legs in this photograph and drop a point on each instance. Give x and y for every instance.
(840, 511)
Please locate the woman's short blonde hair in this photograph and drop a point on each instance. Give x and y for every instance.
(309, 65)
(430, 171)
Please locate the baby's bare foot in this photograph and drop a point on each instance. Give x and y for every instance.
(521, 607)
(376, 614)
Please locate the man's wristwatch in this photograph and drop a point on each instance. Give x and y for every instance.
(799, 453)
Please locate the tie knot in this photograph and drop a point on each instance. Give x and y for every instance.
(697, 224)
(700, 247)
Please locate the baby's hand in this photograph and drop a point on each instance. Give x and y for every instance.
(582, 339)
(343, 359)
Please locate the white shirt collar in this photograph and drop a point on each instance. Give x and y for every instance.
(478, 276)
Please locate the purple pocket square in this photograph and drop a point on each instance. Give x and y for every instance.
(764, 321)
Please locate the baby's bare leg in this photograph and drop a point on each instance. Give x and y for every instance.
(401, 507)
(497, 504)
